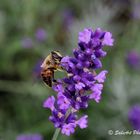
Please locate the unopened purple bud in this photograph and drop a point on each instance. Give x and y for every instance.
(97, 64)
(100, 53)
(93, 57)
(87, 64)
(98, 33)
(81, 57)
(76, 78)
(79, 66)
(76, 52)
(88, 51)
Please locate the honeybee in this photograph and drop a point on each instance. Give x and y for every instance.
(49, 65)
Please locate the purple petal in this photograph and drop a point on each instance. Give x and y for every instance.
(108, 39)
(49, 103)
(63, 102)
(68, 129)
(101, 76)
(79, 86)
(85, 36)
(82, 122)
(96, 96)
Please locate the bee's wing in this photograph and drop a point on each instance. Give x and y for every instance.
(59, 68)
(44, 64)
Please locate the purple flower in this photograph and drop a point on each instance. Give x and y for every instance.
(97, 87)
(96, 92)
(81, 83)
(100, 53)
(27, 43)
(85, 36)
(41, 34)
(134, 116)
(96, 96)
(58, 88)
(82, 122)
(58, 117)
(79, 101)
(98, 34)
(63, 102)
(101, 76)
(29, 137)
(133, 59)
(79, 86)
(68, 129)
(96, 64)
(65, 62)
(49, 103)
(107, 40)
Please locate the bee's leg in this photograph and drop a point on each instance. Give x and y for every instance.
(54, 80)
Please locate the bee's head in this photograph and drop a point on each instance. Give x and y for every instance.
(56, 55)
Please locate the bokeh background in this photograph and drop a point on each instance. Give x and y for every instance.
(30, 29)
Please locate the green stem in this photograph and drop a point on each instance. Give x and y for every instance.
(56, 133)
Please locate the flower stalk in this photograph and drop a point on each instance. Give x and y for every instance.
(56, 134)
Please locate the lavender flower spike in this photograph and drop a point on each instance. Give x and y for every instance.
(81, 79)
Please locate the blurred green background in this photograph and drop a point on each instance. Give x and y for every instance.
(30, 29)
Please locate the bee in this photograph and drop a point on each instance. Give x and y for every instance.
(49, 65)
